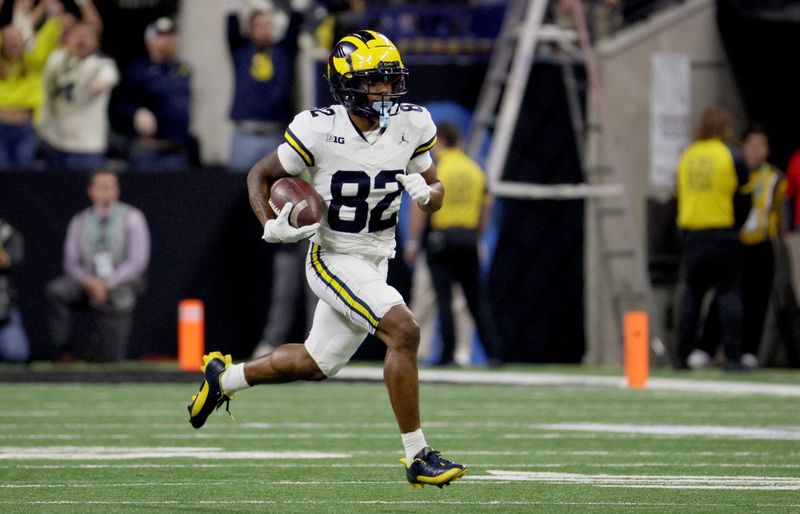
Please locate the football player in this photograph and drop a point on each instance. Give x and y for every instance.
(361, 154)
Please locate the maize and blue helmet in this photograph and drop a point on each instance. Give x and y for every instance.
(359, 59)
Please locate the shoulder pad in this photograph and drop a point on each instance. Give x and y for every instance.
(319, 119)
(417, 115)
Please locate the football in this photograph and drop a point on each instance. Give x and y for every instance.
(307, 204)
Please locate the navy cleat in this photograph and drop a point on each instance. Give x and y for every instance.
(429, 467)
(210, 396)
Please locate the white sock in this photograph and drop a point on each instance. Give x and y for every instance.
(232, 379)
(413, 442)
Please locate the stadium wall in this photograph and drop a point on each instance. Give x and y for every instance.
(205, 244)
(624, 66)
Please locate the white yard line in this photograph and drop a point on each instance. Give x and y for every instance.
(781, 433)
(561, 379)
(752, 483)
(155, 452)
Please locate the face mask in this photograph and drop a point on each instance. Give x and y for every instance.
(383, 109)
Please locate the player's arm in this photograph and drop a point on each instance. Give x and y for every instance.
(259, 181)
(277, 229)
(421, 180)
(436, 190)
(424, 188)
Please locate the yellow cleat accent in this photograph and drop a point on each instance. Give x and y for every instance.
(226, 359)
(210, 396)
(429, 468)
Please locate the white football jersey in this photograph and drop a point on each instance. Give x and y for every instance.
(355, 173)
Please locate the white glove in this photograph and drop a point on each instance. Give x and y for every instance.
(417, 188)
(280, 231)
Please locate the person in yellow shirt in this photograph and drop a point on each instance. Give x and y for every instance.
(21, 89)
(767, 190)
(710, 174)
(451, 245)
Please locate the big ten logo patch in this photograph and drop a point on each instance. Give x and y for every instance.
(339, 140)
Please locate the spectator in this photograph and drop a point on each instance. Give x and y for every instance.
(14, 345)
(106, 253)
(262, 101)
(156, 98)
(452, 241)
(709, 175)
(78, 82)
(766, 187)
(21, 92)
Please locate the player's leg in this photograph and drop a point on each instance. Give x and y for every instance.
(400, 332)
(287, 363)
(331, 343)
(356, 288)
(222, 379)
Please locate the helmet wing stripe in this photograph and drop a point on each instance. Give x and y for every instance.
(365, 35)
(360, 55)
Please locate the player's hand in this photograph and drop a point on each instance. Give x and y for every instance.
(280, 231)
(417, 188)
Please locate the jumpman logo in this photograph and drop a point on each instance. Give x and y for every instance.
(403, 138)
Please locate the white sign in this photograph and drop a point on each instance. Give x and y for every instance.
(670, 115)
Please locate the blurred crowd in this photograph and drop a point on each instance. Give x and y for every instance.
(56, 85)
(65, 104)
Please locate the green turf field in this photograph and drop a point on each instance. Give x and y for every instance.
(334, 447)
